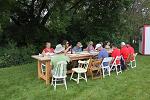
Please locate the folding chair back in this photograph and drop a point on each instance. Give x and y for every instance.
(95, 68)
(106, 65)
(117, 60)
(84, 64)
(107, 60)
(59, 74)
(60, 70)
(117, 65)
(82, 69)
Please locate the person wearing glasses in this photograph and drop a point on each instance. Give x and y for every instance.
(67, 46)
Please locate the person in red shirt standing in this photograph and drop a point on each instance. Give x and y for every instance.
(115, 53)
(48, 50)
(125, 53)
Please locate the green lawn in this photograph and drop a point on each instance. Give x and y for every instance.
(21, 83)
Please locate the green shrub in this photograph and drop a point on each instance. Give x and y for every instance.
(13, 55)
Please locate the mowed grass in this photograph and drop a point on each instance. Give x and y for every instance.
(21, 83)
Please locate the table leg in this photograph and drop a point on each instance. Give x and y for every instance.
(48, 70)
(39, 69)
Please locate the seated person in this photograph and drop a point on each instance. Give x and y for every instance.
(90, 47)
(59, 50)
(102, 52)
(107, 46)
(78, 47)
(115, 52)
(66, 46)
(48, 49)
(130, 48)
(131, 51)
(125, 53)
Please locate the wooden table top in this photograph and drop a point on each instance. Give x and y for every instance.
(77, 56)
(41, 58)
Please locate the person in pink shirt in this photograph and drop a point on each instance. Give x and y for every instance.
(47, 50)
(90, 47)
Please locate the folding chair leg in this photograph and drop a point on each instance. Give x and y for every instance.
(65, 83)
(116, 70)
(52, 81)
(100, 72)
(131, 64)
(78, 78)
(135, 63)
(85, 77)
(55, 84)
(120, 68)
(109, 71)
(92, 74)
(71, 75)
(103, 72)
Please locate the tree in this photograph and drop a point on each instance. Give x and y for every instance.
(35, 21)
(5, 6)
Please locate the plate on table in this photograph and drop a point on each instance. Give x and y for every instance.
(49, 54)
(93, 52)
(84, 52)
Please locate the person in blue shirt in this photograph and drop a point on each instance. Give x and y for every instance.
(78, 47)
(102, 52)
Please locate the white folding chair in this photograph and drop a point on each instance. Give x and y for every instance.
(133, 61)
(106, 66)
(59, 74)
(82, 69)
(117, 65)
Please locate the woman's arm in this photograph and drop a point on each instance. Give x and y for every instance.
(67, 49)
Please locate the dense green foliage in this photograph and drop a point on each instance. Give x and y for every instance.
(37, 21)
(12, 55)
(21, 83)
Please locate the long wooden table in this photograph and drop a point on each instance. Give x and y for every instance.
(47, 59)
